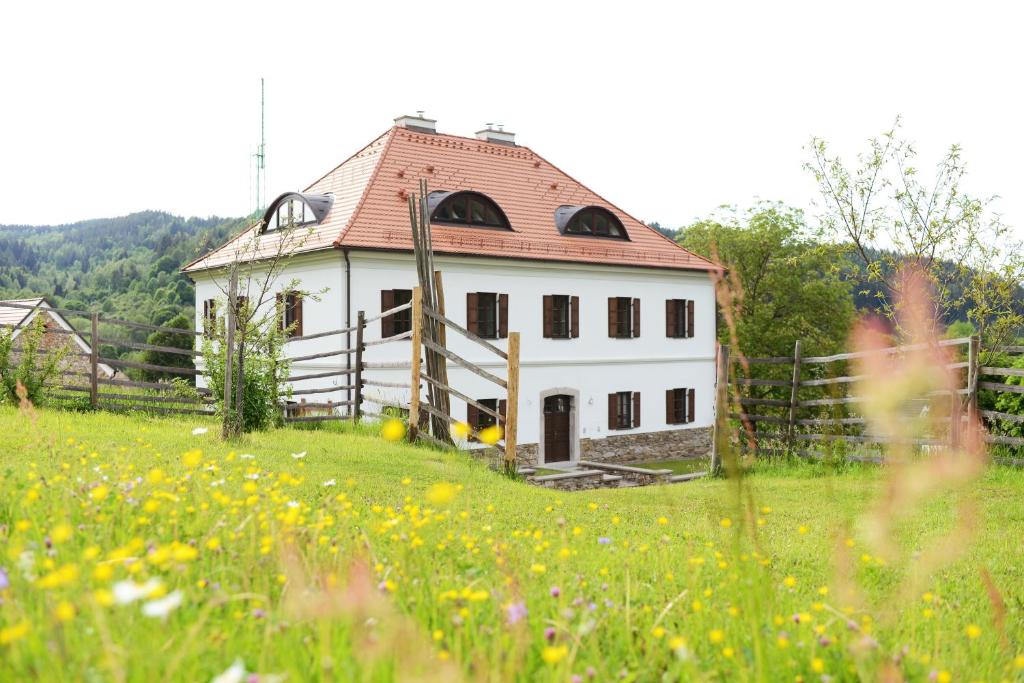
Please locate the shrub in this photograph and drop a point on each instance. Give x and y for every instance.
(25, 360)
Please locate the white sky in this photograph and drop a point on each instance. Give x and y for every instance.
(667, 109)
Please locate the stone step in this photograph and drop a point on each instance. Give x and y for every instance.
(526, 471)
(572, 474)
(614, 467)
(677, 478)
(609, 478)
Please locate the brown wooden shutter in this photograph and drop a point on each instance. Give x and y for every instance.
(473, 417)
(502, 316)
(298, 314)
(689, 318)
(670, 318)
(279, 300)
(549, 316)
(574, 316)
(387, 323)
(691, 405)
(670, 407)
(472, 313)
(613, 412)
(502, 410)
(636, 317)
(613, 320)
(636, 408)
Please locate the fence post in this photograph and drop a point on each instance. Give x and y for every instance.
(794, 395)
(512, 404)
(720, 441)
(229, 349)
(414, 378)
(357, 407)
(94, 363)
(973, 370)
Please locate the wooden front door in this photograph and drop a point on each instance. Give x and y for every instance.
(557, 410)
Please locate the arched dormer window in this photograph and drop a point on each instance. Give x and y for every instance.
(294, 208)
(466, 208)
(589, 220)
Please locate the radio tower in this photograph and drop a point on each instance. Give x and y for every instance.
(260, 156)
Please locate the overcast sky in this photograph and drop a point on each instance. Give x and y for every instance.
(112, 108)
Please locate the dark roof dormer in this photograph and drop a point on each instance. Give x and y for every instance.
(296, 208)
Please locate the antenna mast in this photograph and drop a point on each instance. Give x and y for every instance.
(261, 155)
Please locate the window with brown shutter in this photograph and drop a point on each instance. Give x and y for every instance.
(624, 410)
(623, 317)
(574, 317)
(290, 306)
(487, 314)
(679, 406)
(689, 318)
(691, 405)
(209, 317)
(679, 318)
(559, 316)
(396, 323)
(478, 419)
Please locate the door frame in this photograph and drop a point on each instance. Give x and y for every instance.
(574, 427)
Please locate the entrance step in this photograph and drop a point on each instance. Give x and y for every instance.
(638, 476)
(573, 480)
(678, 478)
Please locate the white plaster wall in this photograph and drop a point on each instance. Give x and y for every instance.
(593, 364)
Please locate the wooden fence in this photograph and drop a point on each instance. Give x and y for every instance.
(803, 404)
(84, 378)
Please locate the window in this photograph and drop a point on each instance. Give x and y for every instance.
(466, 208)
(291, 213)
(293, 208)
(209, 317)
(561, 316)
(396, 323)
(680, 406)
(624, 410)
(595, 221)
(678, 318)
(478, 419)
(487, 314)
(623, 317)
(291, 313)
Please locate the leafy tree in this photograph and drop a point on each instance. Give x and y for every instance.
(171, 339)
(787, 285)
(26, 360)
(890, 221)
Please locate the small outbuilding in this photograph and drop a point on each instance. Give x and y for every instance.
(20, 313)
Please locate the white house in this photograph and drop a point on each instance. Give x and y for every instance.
(617, 322)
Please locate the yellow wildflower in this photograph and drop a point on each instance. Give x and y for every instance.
(553, 654)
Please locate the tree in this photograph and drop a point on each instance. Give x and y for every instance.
(891, 222)
(170, 339)
(786, 286)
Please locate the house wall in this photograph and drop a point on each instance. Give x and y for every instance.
(590, 366)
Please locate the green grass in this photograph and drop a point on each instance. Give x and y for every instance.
(389, 574)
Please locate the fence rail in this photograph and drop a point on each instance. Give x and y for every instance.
(812, 399)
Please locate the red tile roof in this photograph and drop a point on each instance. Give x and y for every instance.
(371, 207)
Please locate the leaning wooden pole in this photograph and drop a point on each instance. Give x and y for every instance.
(720, 443)
(94, 363)
(512, 404)
(973, 370)
(794, 395)
(357, 405)
(414, 374)
(229, 361)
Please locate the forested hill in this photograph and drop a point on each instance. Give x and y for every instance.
(127, 267)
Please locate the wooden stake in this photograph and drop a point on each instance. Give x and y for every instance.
(512, 406)
(721, 438)
(414, 379)
(794, 394)
(973, 370)
(357, 408)
(94, 364)
(229, 361)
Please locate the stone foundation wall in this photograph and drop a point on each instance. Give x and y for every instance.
(638, 447)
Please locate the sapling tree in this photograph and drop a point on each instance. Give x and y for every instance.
(892, 219)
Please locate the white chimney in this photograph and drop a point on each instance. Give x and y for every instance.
(497, 135)
(417, 123)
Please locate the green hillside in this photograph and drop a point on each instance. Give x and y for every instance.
(127, 267)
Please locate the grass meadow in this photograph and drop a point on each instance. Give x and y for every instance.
(134, 549)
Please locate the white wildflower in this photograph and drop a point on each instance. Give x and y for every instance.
(199, 431)
(299, 456)
(233, 674)
(163, 606)
(330, 482)
(246, 456)
(128, 591)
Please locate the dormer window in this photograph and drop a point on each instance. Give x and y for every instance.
(293, 209)
(471, 209)
(589, 220)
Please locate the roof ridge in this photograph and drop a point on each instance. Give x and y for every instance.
(369, 182)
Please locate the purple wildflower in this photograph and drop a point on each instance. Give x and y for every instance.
(549, 634)
(515, 613)
(604, 540)
(5, 581)
(555, 592)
